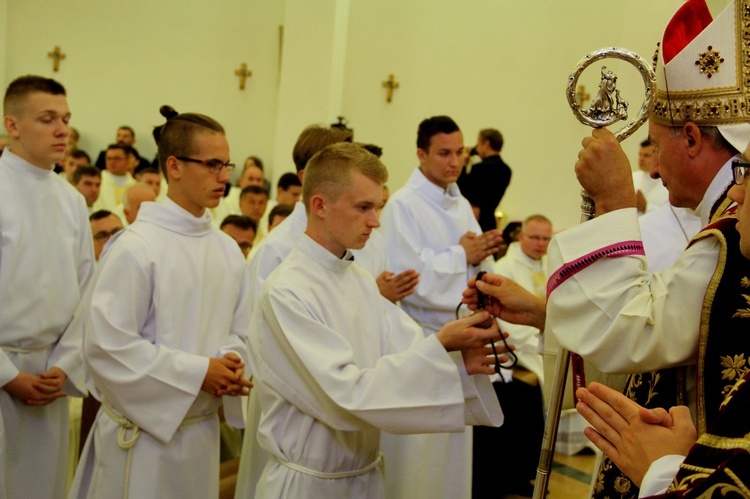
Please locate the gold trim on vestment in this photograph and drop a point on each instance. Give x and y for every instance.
(713, 285)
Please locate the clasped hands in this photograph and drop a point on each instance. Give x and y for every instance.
(224, 376)
(631, 435)
(37, 390)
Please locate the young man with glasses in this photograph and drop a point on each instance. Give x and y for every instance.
(46, 264)
(165, 335)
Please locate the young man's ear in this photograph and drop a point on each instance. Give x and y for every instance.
(318, 206)
(10, 126)
(173, 168)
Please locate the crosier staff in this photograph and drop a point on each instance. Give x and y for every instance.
(606, 109)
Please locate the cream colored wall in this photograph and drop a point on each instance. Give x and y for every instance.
(3, 43)
(124, 60)
(492, 63)
(312, 71)
(487, 63)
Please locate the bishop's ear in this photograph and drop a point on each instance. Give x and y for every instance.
(693, 138)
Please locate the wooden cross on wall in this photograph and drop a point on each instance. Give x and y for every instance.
(243, 73)
(56, 56)
(391, 84)
(581, 96)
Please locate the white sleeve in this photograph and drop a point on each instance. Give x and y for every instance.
(660, 474)
(67, 353)
(260, 267)
(608, 311)
(234, 407)
(313, 367)
(442, 272)
(136, 376)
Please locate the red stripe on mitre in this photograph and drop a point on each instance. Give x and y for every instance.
(692, 18)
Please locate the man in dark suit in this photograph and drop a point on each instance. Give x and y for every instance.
(485, 184)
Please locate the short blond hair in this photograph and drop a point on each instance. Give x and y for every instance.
(329, 172)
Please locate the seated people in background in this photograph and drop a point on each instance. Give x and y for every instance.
(73, 159)
(278, 214)
(152, 178)
(125, 135)
(510, 236)
(242, 229)
(87, 180)
(253, 203)
(104, 225)
(116, 178)
(252, 173)
(288, 192)
(519, 389)
(165, 336)
(73, 138)
(135, 195)
(288, 189)
(331, 377)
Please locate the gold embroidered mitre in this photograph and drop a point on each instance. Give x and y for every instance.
(703, 69)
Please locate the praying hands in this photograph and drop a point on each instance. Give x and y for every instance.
(631, 435)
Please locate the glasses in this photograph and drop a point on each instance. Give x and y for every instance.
(543, 239)
(213, 165)
(103, 234)
(740, 170)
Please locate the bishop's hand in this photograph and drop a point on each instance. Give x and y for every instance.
(603, 170)
(506, 300)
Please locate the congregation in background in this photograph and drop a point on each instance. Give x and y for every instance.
(179, 326)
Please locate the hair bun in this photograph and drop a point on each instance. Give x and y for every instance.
(168, 112)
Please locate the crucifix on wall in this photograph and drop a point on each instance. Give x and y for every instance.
(581, 96)
(243, 73)
(390, 84)
(56, 56)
